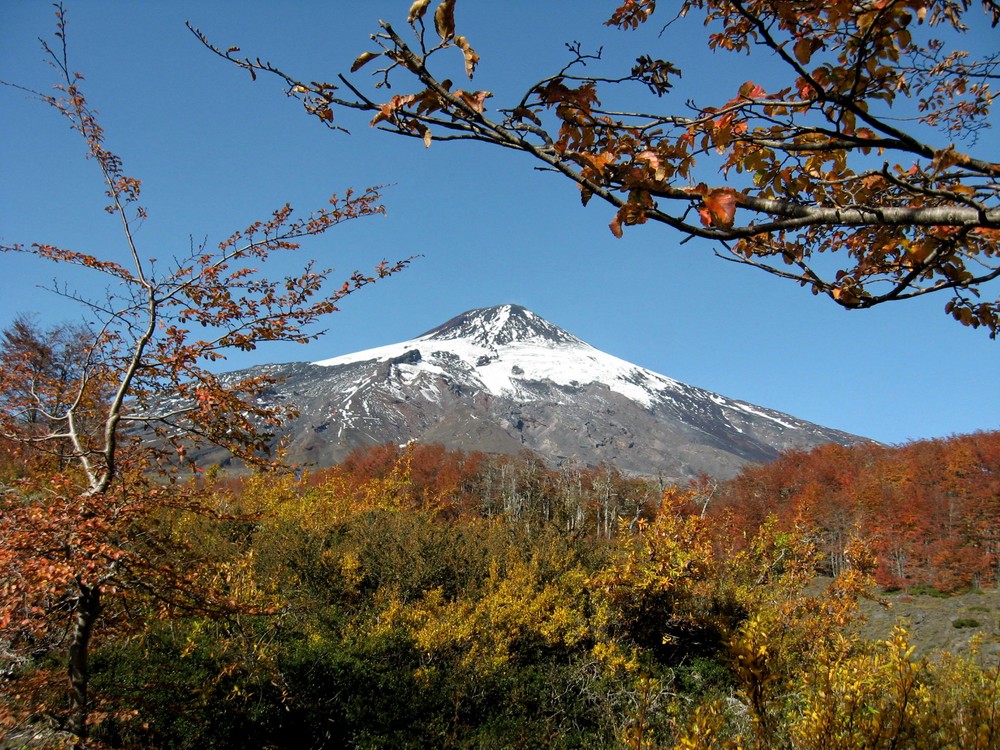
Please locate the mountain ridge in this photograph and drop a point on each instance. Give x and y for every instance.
(503, 379)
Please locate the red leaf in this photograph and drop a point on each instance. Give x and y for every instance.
(720, 204)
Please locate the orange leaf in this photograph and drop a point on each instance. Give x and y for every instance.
(721, 206)
(751, 90)
(616, 226)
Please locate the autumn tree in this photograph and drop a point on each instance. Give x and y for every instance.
(120, 399)
(929, 508)
(857, 172)
(39, 365)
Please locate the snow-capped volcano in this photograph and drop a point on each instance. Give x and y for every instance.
(503, 379)
(505, 351)
(497, 326)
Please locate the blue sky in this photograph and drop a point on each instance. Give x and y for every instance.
(216, 151)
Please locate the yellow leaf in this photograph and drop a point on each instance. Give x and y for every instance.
(364, 58)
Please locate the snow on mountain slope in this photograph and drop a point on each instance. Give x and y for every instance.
(503, 379)
(508, 346)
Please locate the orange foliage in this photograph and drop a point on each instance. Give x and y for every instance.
(930, 510)
(834, 192)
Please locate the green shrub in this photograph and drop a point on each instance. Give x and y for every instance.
(966, 622)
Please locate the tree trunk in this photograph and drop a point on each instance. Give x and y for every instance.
(88, 608)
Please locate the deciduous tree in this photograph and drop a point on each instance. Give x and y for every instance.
(858, 171)
(78, 536)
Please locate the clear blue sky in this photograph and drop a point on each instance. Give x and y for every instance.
(216, 151)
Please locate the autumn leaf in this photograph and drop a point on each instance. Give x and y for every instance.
(659, 169)
(444, 19)
(706, 216)
(803, 50)
(363, 59)
(476, 99)
(720, 207)
(751, 90)
(389, 109)
(523, 113)
(616, 226)
(417, 11)
(945, 159)
(471, 58)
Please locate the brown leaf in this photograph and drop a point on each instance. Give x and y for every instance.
(417, 11)
(616, 226)
(390, 108)
(803, 50)
(444, 19)
(363, 59)
(523, 113)
(946, 158)
(476, 99)
(471, 58)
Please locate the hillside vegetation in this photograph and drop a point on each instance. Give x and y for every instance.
(929, 510)
(423, 598)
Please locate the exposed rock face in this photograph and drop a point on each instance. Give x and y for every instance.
(502, 379)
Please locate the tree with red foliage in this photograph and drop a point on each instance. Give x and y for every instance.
(856, 173)
(930, 510)
(77, 535)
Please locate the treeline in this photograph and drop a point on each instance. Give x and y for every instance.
(583, 501)
(929, 511)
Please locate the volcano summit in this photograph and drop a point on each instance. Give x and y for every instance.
(503, 379)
